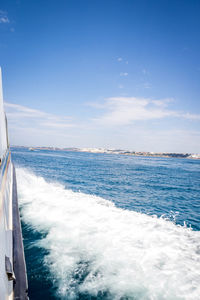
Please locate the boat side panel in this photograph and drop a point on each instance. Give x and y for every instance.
(21, 285)
(6, 287)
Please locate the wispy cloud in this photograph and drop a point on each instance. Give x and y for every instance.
(23, 111)
(121, 59)
(191, 116)
(163, 102)
(144, 71)
(121, 86)
(129, 115)
(126, 110)
(123, 74)
(4, 17)
(20, 115)
(147, 85)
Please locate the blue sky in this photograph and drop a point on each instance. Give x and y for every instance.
(114, 74)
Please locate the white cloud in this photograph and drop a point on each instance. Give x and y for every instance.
(119, 59)
(120, 122)
(123, 74)
(34, 127)
(19, 115)
(191, 116)
(147, 85)
(126, 110)
(23, 110)
(3, 17)
(121, 86)
(58, 125)
(163, 102)
(144, 71)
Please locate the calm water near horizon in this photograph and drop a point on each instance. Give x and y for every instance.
(105, 226)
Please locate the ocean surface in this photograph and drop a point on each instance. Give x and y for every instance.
(102, 226)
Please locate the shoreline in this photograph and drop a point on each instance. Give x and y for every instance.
(117, 152)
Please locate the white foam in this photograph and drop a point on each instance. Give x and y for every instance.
(123, 252)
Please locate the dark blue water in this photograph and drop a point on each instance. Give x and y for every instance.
(168, 188)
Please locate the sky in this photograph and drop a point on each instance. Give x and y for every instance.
(111, 74)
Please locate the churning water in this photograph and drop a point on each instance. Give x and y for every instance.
(109, 227)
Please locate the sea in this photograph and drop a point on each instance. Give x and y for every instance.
(107, 226)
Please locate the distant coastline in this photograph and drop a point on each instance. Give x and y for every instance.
(117, 152)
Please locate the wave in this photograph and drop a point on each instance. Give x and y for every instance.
(97, 249)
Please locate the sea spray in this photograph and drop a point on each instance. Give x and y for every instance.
(98, 250)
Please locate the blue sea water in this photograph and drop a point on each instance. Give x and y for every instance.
(102, 226)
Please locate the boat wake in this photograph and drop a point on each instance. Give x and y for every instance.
(100, 251)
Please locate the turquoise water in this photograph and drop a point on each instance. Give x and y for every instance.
(102, 226)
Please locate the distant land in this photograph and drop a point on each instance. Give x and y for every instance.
(117, 151)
